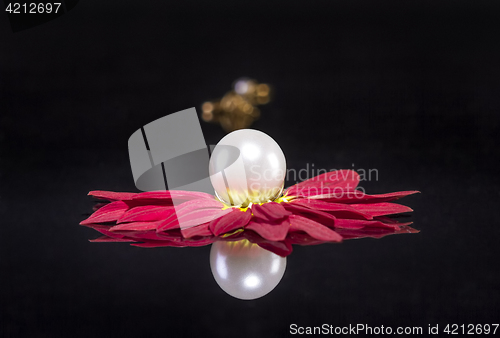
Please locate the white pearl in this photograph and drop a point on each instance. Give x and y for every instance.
(244, 270)
(254, 171)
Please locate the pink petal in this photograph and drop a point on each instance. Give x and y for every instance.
(108, 213)
(199, 230)
(273, 231)
(271, 211)
(282, 248)
(192, 218)
(143, 235)
(327, 206)
(172, 194)
(405, 229)
(136, 226)
(357, 197)
(174, 235)
(333, 181)
(315, 229)
(360, 224)
(365, 233)
(231, 221)
(112, 196)
(199, 241)
(318, 215)
(307, 192)
(374, 232)
(147, 213)
(193, 213)
(158, 244)
(302, 238)
(199, 204)
(389, 220)
(381, 209)
(184, 243)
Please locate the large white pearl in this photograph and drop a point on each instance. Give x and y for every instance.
(253, 172)
(245, 270)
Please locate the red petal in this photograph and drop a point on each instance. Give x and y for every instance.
(381, 209)
(365, 233)
(172, 194)
(321, 216)
(233, 220)
(199, 230)
(144, 235)
(112, 196)
(315, 229)
(147, 213)
(185, 243)
(108, 213)
(199, 241)
(193, 213)
(389, 220)
(357, 196)
(334, 181)
(273, 231)
(360, 224)
(159, 244)
(192, 218)
(375, 232)
(136, 226)
(282, 248)
(199, 204)
(405, 229)
(271, 211)
(158, 202)
(327, 206)
(174, 235)
(302, 238)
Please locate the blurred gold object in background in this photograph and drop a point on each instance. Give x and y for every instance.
(238, 108)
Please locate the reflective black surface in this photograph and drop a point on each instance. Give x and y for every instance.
(409, 90)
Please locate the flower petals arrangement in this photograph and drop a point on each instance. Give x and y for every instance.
(326, 208)
(249, 220)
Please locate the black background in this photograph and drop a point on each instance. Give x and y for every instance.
(409, 88)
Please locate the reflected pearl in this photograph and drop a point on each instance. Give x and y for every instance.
(244, 270)
(242, 86)
(253, 172)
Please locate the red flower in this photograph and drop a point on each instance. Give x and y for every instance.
(326, 208)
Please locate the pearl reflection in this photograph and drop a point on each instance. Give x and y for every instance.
(251, 151)
(275, 267)
(221, 267)
(244, 270)
(273, 161)
(252, 281)
(241, 86)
